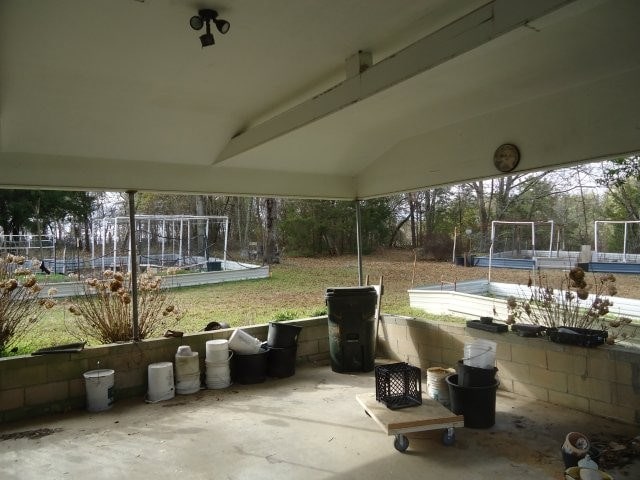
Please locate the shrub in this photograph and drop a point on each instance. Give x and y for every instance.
(104, 311)
(20, 303)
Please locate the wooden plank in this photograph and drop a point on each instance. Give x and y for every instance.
(430, 415)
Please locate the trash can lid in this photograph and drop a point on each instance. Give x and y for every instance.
(350, 291)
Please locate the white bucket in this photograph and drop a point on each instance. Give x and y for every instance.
(187, 373)
(218, 375)
(217, 350)
(160, 377)
(437, 387)
(243, 343)
(480, 354)
(99, 387)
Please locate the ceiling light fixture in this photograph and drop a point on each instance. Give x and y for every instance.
(204, 18)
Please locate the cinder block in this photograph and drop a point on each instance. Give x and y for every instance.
(531, 391)
(431, 354)
(530, 356)
(602, 368)
(547, 379)
(559, 361)
(419, 335)
(450, 357)
(503, 351)
(309, 347)
(314, 332)
(407, 347)
(392, 332)
(570, 401)
(625, 396)
(624, 373)
(46, 393)
(514, 371)
(24, 376)
(76, 388)
(66, 370)
(11, 399)
(590, 388)
(608, 410)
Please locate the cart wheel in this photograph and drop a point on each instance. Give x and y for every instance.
(449, 436)
(401, 443)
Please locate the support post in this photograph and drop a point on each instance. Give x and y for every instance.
(359, 242)
(134, 264)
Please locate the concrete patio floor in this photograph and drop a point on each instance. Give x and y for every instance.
(308, 426)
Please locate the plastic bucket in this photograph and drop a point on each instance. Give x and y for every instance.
(477, 404)
(187, 372)
(480, 353)
(99, 387)
(217, 350)
(218, 375)
(469, 376)
(282, 335)
(281, 362)
(249, 369)
(243, 343)
(437, 387)
(160, 378)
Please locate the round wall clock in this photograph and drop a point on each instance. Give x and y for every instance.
(506, 157)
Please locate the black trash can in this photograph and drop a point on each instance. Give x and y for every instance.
(352, 328)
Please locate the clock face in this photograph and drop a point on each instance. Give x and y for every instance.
(506, 157)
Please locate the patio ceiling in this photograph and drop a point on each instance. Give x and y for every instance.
(119, 95)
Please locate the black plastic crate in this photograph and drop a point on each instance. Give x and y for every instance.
(398, 385)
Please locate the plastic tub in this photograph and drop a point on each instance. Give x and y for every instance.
(249, 369)
(281, 362)
(283, 335)
(243, 343)
(477, 404)
(469, 376)
(217, 350)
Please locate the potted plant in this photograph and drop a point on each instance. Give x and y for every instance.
(575, 313)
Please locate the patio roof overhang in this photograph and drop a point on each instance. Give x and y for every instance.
(120, 95)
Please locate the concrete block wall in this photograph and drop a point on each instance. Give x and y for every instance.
(603, 381)
(38, 385)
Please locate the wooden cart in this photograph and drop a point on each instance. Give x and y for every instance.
(431, 415)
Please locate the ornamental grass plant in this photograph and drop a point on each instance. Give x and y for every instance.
(104, 310)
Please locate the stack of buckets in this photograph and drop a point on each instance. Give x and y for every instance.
(249, 361)
(282, 340)
(217, 364)
(187, 371)
(472, 390)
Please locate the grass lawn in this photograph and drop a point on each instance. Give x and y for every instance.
(295, 289)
